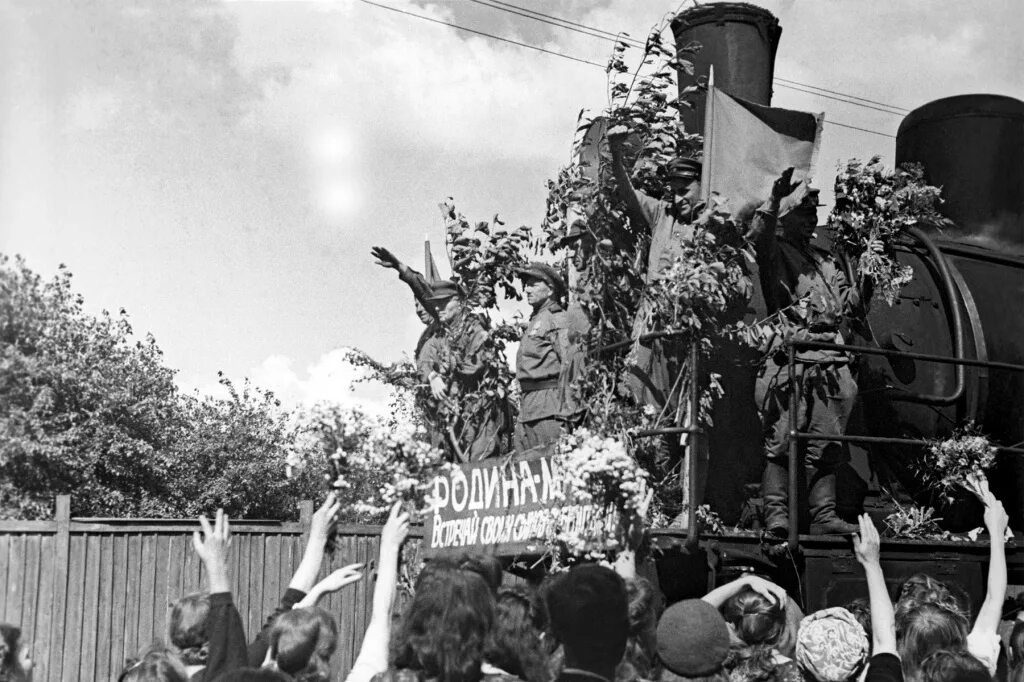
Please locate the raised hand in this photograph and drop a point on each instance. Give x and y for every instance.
(396, 529)
(339, 578)
(767, 588)
(212, 547)
(867, 545)
(784, 185)
(996, 519)
(320, 524)
(385, 258)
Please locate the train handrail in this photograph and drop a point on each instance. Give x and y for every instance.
(795, 435)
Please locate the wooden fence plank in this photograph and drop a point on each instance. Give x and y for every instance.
(15, 570)
(30, 606)
(90, 606)
(5, 559)
(73, 610)
(147, 584)
(103, 668)
(119, 602)
(160, 599)
(62, 547)
(131, 595)
(44, 646)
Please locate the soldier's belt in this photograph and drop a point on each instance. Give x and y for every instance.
(531, 385)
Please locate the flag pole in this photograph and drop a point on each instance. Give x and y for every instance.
(709, 116)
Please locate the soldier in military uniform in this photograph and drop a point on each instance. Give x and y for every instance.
(453, 365)
(669, 221)
(808, 288)
(549, 360)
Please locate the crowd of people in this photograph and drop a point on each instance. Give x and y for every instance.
(592, 623)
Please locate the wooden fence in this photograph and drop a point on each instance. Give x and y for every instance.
(88, 593)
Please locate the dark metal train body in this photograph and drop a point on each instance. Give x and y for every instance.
(965, 303)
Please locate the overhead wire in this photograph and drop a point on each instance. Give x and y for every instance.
(482, 33)
(608, 35)
(562, 54)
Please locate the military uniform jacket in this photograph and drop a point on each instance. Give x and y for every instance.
(812, 279)
(542, 351)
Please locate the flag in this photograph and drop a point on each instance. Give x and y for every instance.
(429, 266)
(747, 146)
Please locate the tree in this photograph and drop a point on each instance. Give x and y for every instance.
(88, 410)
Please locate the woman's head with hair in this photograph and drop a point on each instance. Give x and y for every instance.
(925, 629)
(15, 663)
(756, 619)
(445, 625)
(952, 666)
(157, 664)
(302, 642)
(640, 659)
(487, 566)
(516, 642)
(922, 588)
(188, 628)
(861, 610)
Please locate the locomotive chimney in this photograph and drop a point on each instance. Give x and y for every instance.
(740, 40)
(973, 147)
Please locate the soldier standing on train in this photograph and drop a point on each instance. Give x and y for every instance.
(549, 360)
(455, 367)
(808, 288)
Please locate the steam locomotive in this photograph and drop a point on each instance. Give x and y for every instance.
(951, 348)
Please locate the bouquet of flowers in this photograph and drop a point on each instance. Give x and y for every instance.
(874, 208)
(958, 462)
(597, 471)
(395, 462)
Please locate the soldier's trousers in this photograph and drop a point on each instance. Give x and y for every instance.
(827, 394)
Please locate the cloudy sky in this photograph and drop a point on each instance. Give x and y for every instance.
(221, 170)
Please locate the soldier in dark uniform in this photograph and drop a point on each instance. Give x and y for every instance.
(420, 290)
(550, 358)
(453, 365)
(809, 288)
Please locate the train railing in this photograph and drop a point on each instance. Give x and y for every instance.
(795, 393)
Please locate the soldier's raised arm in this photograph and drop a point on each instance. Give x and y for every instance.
(624, 190)
(413, 279)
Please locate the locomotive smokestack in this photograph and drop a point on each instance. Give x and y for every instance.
(740, 40)
(973, 147)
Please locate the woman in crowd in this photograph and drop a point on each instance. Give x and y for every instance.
(517, 646)
(444, 629)
(925, 627)
(15, 661)
(754, 609)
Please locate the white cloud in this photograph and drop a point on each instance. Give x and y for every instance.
(331, 379)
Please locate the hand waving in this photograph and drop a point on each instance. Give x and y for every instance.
(385, 258)
(320, 524)
(867, 545)
(212, 547)
(339, 578)
(784, 185)
(396, 529)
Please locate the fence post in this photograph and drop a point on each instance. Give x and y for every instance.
(62, 551)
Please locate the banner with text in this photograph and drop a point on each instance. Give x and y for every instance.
(506, 507)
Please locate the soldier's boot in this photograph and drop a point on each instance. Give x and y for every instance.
(821, 503)
(775, 499)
